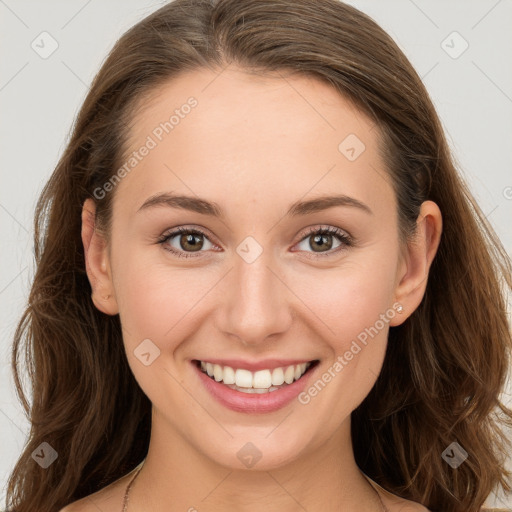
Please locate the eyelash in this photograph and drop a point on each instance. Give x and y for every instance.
(346, 240)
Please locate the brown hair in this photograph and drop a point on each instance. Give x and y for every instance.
(445, 366)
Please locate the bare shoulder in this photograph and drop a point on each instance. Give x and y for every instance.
(402, 505)
(77, 506)
(395, 503)
(108, 499)
(91, 503)
(411, 506)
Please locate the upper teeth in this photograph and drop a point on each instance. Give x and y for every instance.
(261, 379)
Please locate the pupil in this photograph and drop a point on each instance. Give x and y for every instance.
(189, 239)
(319, 238)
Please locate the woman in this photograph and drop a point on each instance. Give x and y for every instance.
(338, 342)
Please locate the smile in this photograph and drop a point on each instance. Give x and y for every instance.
(261, 381)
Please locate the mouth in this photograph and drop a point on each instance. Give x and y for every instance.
(261, 381)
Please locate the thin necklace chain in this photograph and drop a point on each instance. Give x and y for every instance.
(128, 487)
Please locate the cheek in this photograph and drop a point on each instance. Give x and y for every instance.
(157, 301)
(360, 320)
(349, 299)
(354, 305)
(156, 309)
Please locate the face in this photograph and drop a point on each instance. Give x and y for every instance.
(254, 281)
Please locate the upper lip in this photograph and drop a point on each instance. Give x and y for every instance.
(266, 364)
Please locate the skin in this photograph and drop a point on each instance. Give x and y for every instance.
(254, 145)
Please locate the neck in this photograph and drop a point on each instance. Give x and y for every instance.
(175, 476)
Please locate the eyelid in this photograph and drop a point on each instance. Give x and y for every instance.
(188, 228)
(333, 230)
(172, 232)
(346, 240)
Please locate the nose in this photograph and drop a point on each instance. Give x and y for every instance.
(254, 303)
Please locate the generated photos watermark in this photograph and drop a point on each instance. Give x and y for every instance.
(343, 360)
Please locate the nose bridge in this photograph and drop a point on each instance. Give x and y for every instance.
(254, 305)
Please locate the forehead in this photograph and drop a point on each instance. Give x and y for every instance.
(277, 103)
(256, 136)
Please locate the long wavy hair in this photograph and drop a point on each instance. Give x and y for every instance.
(445, 366)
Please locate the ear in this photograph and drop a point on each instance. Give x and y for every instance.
(97, 262)
(416, 260)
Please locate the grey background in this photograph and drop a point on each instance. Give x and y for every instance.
(39, 99)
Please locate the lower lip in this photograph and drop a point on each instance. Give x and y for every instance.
(253, 403)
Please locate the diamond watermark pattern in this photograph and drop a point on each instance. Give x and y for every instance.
(249, 249)
(44, 45)
(146, 352)
(249, 455)
(44, 455)
(454, 45)
(351, 147)
(455, 455)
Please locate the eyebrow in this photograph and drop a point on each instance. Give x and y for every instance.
(198, 205)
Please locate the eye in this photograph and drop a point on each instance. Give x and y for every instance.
(191, 240)
(320, 240)
(187, 239)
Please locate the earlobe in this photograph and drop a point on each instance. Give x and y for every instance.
(97, 264)
(419, 254)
